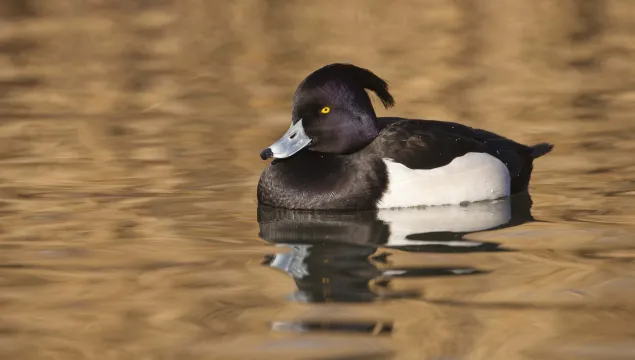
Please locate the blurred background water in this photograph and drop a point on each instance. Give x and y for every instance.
(129, 140)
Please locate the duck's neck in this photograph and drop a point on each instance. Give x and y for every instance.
(365, 137)
(362, 135)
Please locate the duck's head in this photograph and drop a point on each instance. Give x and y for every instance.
(332, 112)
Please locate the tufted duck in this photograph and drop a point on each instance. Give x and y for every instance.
(338, 155)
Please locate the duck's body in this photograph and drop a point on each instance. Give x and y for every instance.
(352, 160)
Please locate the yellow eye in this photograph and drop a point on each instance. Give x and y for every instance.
(325, 110)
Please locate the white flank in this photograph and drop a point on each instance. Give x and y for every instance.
(468, 178)
(452, 218)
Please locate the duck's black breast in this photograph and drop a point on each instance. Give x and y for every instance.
(429, 144)
(311, 180)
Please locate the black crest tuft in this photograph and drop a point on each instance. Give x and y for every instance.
(353, 75)
(541, 149)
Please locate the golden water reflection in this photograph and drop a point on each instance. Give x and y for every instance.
(129, 142)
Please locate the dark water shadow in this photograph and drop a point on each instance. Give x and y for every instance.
(341, 256)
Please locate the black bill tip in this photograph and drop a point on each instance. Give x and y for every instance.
(266, 154)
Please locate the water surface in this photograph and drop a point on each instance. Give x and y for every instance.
(129, 142)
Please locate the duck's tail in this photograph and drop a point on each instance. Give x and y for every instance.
(541, 149)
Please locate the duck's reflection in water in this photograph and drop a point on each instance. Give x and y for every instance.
(332, 257)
